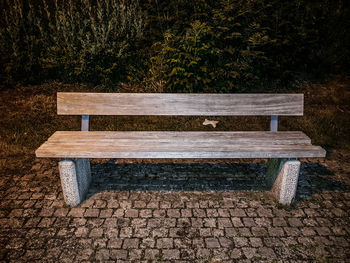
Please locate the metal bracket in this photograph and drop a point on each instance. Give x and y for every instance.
(274, 123)
(85, 122)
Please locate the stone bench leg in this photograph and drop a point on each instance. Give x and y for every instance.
(282, 177)
(75, 179)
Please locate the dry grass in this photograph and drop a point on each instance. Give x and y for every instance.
(28, 117)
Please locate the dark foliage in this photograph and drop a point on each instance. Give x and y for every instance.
(174, 45)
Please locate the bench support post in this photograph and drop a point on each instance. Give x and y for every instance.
(274, 123)
(85, 122)
(75, 179)
(282, 177)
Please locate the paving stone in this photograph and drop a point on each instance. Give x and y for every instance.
(131, 243)
(198, 212)
(225, 242)
(256, 242)
(294, 222)
(224, 222)
(230, 232)
(205, 232)
(323, 231)
(92, 212)
(16, 213)
(224, 212)
(147, 243)
(32, 222)
(145, 213)
(100, 204)
(248, 222)
(244, 231)
(310, 222)
(236, 253)
(218, 232)
(106, 213)
(152, 254)
(159, 213)
(160, 232)
(307, 231)
(240, 241)
(96, 233)
(82, 232)
(278, 221)
(131, 213)
(153, 204)
(263, 221)
(212, 243)
(259, 231)
(266, 253)
(171, 254)
(113, 204)
(237, 222)
(135, 254)
(102, 254)
(173, 213)
(115, 243)
(197, 222)
(250, 252)
(76, 212)
(116, 254)
(126, 232)
(237, 212)
(171, 226)
(15, 243)
(264, 212)
(165, 243)
(84, 254)
(292, 231)
(183, 222)
(210, 222)
(118, 213)
(276, 231)
(62, 212)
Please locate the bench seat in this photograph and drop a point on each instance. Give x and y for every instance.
(164, 144)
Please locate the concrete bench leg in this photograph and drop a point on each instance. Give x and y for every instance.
(75, 179)
(282, 177)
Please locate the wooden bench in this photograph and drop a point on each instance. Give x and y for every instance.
(281, 147)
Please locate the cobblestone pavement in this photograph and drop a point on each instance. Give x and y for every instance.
(174, 212)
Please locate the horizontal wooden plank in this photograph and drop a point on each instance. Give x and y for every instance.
(257, 152)
(177, 137)
(69, 103)
(175, 148)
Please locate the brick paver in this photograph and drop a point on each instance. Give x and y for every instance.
(145, 219)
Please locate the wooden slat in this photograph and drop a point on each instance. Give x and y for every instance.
(107, 150)
(179, 104)
(285, 137)
(176, 147)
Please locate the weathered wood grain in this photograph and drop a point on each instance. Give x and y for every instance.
(111, 151)
(69, 103)
(285, 137)
(63, 146)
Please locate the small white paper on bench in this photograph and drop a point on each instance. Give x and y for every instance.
(209, 122)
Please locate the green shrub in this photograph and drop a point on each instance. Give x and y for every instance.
(247, 45)
(184, 63)
(174, 45)
(223, 57)
(70, 40)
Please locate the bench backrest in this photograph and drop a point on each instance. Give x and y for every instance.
(69, 103)
(179, 104)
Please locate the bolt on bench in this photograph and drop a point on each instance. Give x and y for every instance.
(281, 147)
